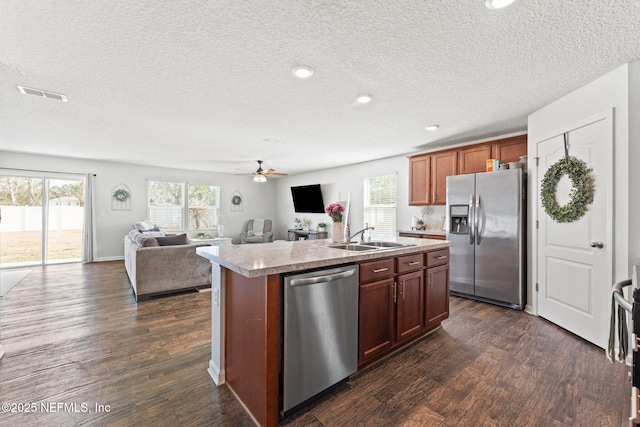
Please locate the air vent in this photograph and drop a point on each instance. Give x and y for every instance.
(41, 93)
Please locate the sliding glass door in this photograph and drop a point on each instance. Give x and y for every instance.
(41, 219)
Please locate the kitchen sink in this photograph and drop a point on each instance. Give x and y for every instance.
(353, 247)
(369, 246)
(386, 244)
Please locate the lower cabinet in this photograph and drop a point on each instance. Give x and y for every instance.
(410, 305)
(437, 294)
(377, 314)
(398, 303)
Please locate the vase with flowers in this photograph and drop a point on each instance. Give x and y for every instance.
(335, 210)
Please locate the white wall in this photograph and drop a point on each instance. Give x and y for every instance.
(112, 225)
(337, 183)
(633, 163)
(610, 91)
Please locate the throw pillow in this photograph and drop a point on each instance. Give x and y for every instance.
(258, 233)
(145, 241)
(250, 233)
(146, 226)
(179, 239)
(154, 233)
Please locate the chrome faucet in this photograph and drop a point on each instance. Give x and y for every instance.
(361, 232)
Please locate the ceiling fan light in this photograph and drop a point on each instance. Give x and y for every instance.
(259, 178)
(302, 71)
(498, 4)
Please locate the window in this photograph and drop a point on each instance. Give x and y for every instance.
(203, 206)
(171, 210)
(380, 205)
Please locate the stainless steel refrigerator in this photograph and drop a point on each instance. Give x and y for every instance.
(486, 221)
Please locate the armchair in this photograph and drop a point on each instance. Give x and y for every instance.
(258, 231)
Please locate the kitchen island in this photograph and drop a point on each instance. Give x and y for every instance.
(246, 306)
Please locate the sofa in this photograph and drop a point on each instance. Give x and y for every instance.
(159, 264)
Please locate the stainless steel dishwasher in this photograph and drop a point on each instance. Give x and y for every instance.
(320, 332)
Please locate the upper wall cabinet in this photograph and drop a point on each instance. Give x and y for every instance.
(428, 172)
(510, 149)
(443, 164)
(419, 180)
(474, 159)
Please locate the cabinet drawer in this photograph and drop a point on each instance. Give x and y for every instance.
(410, 263)
(437, 257)
(376, 269)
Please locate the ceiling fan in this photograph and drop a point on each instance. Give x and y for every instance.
(261, 174)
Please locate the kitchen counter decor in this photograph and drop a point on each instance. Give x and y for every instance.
(582, 191)
(335, 210)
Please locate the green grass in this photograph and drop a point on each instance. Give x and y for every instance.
(25, 246)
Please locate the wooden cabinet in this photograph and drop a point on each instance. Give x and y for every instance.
(474, 159)
(437, 288)
(419, 180)
(442, 165)
(510, 149)
(410, 305)
(428, 172)
(393, 302)
(377, 314)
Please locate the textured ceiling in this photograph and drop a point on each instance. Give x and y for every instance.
(207, 85)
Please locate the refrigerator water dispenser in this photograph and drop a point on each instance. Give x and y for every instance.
(459, 217)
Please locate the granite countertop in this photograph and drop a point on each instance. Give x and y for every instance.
(433, 232)
(263, 259)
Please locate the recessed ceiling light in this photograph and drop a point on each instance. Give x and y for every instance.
(498, 4)
(432, 127)
(302, 72)
(364, 98)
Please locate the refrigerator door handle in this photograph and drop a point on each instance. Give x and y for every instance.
(471, 231)
(476, 214)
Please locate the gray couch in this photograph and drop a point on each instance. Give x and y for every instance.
(262, 235)
(154, 269)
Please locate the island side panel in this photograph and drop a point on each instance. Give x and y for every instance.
(252, 338)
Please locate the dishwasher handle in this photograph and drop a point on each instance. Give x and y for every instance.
(321, 279)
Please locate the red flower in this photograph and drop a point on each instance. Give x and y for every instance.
(334, 210)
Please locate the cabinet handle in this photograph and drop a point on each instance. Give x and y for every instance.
(380, 270)
(414, 263)
(402, 290)
(394, 292)
(442, 257)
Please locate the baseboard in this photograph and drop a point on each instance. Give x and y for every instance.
(110, 258)
(216, 373)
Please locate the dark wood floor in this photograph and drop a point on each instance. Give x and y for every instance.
(74, 335)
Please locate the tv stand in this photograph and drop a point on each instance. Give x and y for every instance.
(306, 235)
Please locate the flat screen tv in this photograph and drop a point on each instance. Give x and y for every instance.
(307, 199)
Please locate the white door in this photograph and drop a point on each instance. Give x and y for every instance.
(574, 277)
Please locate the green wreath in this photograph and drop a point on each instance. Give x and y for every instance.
(582, 191)
(236, 200)
(121, 195)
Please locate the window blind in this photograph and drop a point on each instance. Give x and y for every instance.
(380, 205)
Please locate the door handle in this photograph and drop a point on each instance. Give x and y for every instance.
(321, 279)
(395, 287)
(598, 244)
(470, 219)
(476, 226)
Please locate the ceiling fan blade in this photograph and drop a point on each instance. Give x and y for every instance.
(274, 173)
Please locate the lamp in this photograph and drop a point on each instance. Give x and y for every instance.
(259, 178)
